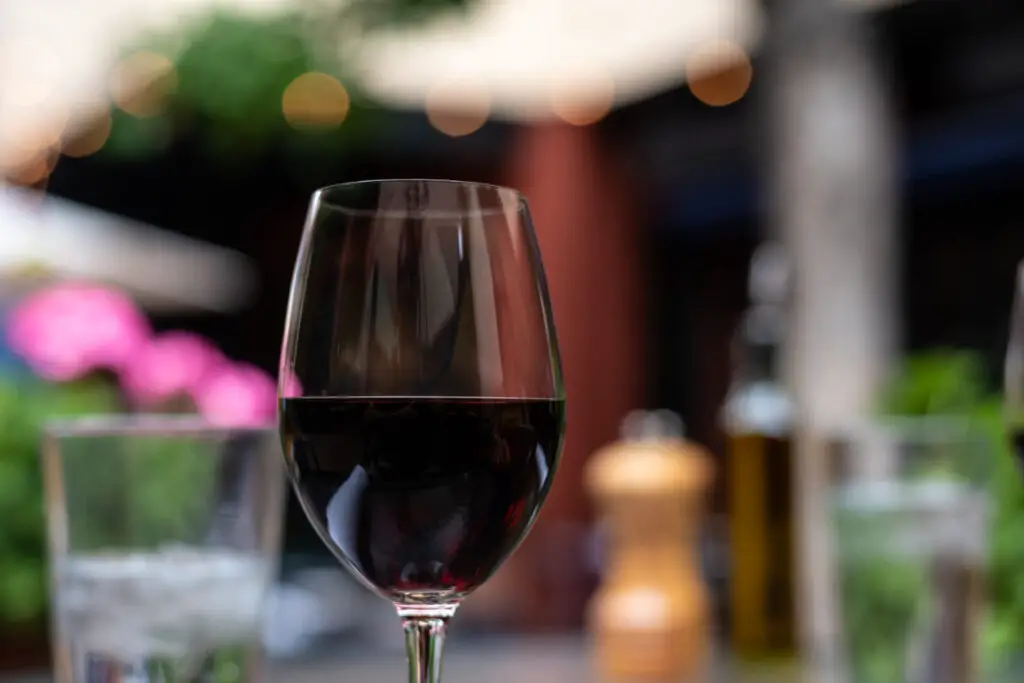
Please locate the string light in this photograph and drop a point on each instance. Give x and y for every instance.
(89, 139)
(27, 136)
(719, 73)
(465, 118)
(27, 70)
(141, 83)
(32, 169)
(584, 101)
(315, 100)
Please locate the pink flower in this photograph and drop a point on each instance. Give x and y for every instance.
(66, 331)
(169, 365)
(237, 395)
(288, 384)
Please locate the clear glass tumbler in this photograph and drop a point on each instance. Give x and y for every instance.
(911, 510)
(164, 537)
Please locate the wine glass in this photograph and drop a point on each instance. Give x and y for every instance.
(422, 407)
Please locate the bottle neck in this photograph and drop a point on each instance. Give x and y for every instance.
(759, 363)
(759, 345)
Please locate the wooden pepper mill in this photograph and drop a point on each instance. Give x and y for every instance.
(649, 618)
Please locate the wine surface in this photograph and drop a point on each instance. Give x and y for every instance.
(422, 497)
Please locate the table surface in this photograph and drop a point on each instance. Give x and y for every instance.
(490, 660)
(504, 660)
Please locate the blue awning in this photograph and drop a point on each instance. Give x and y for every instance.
(958, 148)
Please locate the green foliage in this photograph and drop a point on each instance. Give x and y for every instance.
(24, 406)
(231, 70)
(224, 665)
(936, 383)
(234, 71)
(881, 602)
(1003, 640)
(230, 73)
(133, 138)
(885, 598)
(137, 492)
(375, 13)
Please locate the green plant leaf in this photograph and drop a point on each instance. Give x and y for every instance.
(953, 382)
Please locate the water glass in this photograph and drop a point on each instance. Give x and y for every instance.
(164, 537)
(911, 517)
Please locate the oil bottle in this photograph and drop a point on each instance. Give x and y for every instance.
(758, 420)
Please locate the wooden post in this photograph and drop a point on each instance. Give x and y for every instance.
(834, 202)
(591, 239)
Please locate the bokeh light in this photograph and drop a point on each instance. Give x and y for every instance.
(584, 100)
(141, 84)
(26, 136)
(458, 108)
(90, 138)
(49, 130)
(719, 73)
(30, 169)
(315, 100)
(27, 71)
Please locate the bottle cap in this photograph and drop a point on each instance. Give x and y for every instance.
(769, 274)
(642, 425)
(652, 457)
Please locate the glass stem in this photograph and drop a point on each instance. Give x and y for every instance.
(424, 641)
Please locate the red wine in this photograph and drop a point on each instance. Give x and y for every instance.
(422, 498)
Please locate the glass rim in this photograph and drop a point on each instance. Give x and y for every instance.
(143, 425)
(321, 196)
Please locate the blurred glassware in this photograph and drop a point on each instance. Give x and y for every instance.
(911, 512)
(1013, 390)
(164, 535)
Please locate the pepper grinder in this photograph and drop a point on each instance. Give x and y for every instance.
(649, 617)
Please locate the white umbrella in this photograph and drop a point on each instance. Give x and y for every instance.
(43, 238)
(529, 59)
(56, 58)
(508, 58)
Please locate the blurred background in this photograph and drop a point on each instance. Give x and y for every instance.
(774, 219)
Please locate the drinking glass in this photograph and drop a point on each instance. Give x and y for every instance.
(421, 391)
(164, 534)
(1013, 376)
(911, 511)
